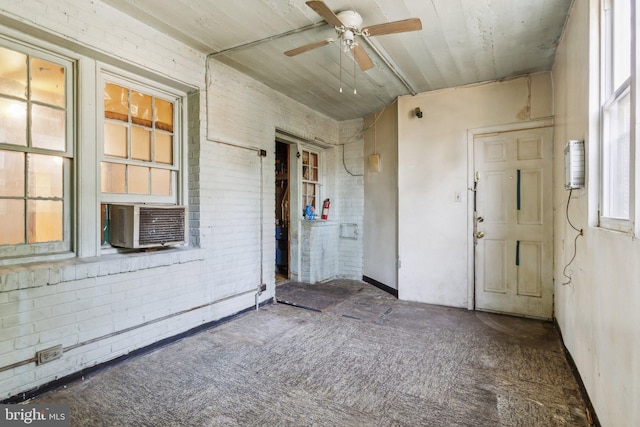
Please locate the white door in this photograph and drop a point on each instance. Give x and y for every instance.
(514, 223)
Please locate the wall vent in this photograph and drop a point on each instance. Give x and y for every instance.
(147, 226)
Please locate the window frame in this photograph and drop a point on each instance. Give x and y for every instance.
(610, 97)
(318, 183)
(24, 252)
(178, 168)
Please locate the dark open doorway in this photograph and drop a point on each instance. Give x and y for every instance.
(282, 212)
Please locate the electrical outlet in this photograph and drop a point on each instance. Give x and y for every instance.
(49, 354)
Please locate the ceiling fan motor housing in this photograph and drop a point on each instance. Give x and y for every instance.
(351, 20)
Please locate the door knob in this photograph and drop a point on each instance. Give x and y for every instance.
(479, 234)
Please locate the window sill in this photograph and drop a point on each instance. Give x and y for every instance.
(616, 225)
(53, 272)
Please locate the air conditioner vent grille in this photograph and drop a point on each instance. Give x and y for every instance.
(161, 226)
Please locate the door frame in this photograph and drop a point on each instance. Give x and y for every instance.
(296, 144)
(471, 223)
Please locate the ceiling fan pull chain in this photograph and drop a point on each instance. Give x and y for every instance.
(340, 53)
(354, 77)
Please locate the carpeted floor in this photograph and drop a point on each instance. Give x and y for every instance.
(317, 297)
(369, 360)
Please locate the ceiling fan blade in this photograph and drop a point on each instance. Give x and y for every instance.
(361, 57)
(307, 47)
(327, 14)
(412, 24)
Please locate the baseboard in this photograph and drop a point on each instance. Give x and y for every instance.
(21, 397)
(592, 417)
(380, 285)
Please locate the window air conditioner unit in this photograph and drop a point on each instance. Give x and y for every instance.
(147, 226)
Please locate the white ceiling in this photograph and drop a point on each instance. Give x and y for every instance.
(462, 41)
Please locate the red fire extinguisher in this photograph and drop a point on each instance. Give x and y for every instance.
(325, 209)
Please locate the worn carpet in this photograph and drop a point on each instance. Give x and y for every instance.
(369, 360)
(317, 297)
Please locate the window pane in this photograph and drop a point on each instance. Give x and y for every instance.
(141, 109)
(114, 178)
(116, 102)
(308, 194)
(621, 42)
(138, 180)
(44, 175)
(11, 222)
(164, 115)
(47, 82)
(616, 159)
(161, 182)
(140, 144)
(115, 140)
(144, 140)
(11, 174)
(48, 128)
(44, 218)
(164, 148)
(13, 73)
(13, 122)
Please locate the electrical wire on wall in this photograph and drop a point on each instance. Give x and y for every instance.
(344, 164)
(360, 133)
(575, 242)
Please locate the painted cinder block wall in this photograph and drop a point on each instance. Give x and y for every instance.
(230, 197)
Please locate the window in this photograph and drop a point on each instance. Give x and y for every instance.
(139, 150)
(617, 172)
(310, 179)
(36, 151)
(141, 144)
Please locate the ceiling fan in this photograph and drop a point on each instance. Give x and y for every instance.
(348, 25)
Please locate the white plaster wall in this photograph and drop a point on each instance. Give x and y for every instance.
(381, 197)
(599, 311)
(432, 168)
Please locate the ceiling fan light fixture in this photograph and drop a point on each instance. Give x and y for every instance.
(347, 40)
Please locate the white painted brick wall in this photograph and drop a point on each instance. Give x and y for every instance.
(350, 203)
(72, 301)
(69, 302)
(319, 250)
(246, 112)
